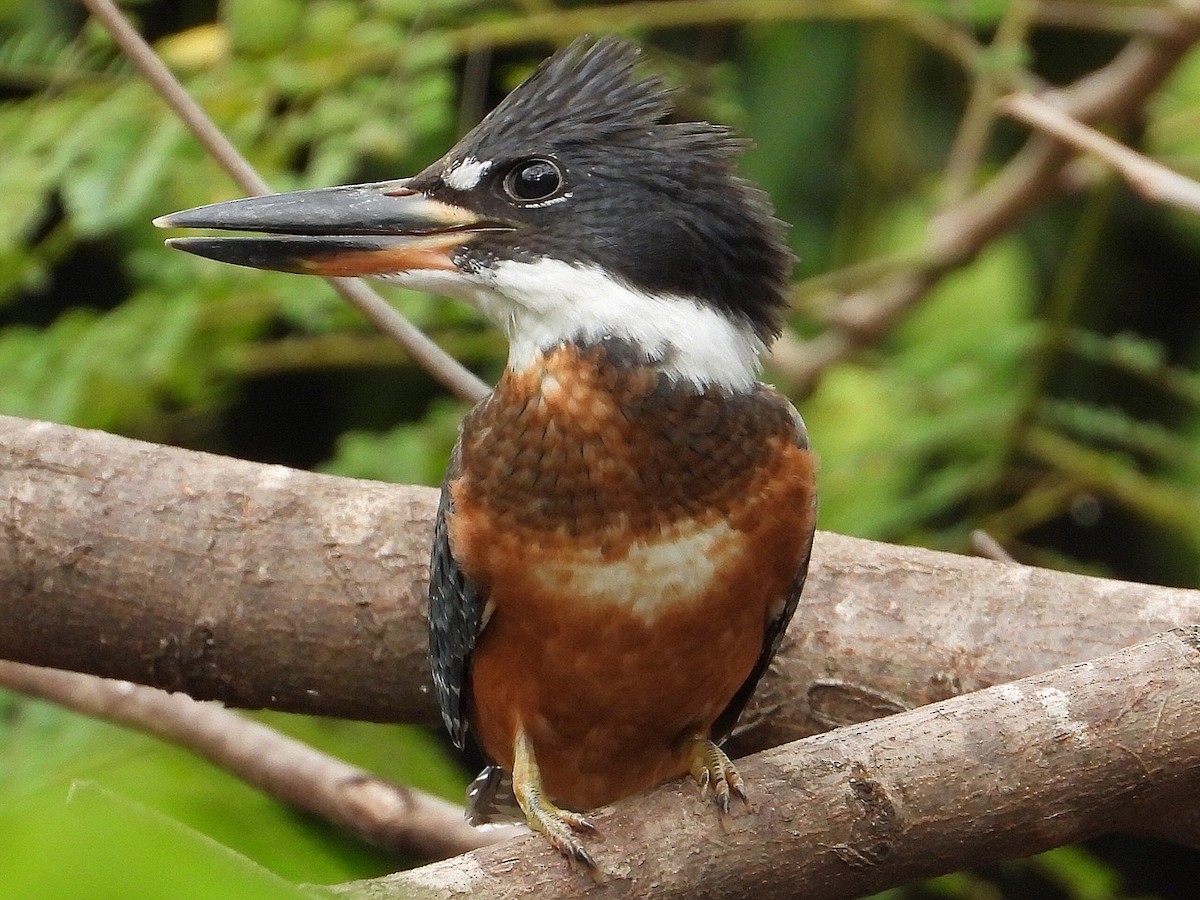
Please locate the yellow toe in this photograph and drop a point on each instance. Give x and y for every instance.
(713, 770)
(559, 826)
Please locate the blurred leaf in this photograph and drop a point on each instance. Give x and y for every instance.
(857, 449)
(929, 426)
(1079, 873)
(408, 454)
(92, 844)
(114, 181)
(197, 48)
(44, 750)
(260, 27)
(979, 13)
(1113, 427)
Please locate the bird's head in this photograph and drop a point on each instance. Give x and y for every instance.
(573, 211)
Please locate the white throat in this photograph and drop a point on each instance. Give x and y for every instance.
(542, 304)
(545, 303)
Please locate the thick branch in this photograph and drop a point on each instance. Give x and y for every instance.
(1002, 773)
(264, 586)
(267, 587)
(256, 585)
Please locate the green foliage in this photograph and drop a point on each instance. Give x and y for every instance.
(928, 429)
(1056, 371)
(160, 847)
(414, 453)
(140, 818)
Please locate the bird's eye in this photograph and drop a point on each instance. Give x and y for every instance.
(533, 180)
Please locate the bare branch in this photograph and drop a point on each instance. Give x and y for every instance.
(959, 232)
(860, 809)
(975, 128)
(391, 816)
(269, 587)
(1151, 180)
(425, 352)
(988, 547)
(1114, 17)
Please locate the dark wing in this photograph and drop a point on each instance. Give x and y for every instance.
(775, 628)
(455, 618)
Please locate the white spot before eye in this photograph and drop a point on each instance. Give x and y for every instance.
(466, 173)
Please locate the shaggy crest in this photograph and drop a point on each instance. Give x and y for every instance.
(589, 93)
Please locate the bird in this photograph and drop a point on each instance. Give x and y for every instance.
(626, 520)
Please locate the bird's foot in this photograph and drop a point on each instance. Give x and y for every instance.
(713, 770)
(560, 826)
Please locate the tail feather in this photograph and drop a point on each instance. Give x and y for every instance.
(491, 801)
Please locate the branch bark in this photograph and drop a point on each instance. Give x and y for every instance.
(263, 586)
(1153, 181)
(267, 587)
(256, 585)
(395, 817)
(1005, 772)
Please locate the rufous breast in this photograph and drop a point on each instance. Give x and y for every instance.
(634, 538)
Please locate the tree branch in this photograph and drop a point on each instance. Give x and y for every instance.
(959, 232)
(993, 775)
(263, 586)
(1151, 180)
(445, 368)
(397, 818)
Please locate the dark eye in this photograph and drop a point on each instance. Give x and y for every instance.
(533, 180)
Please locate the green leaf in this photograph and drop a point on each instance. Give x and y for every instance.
(44, 750)
(86, 841)
(262, 27)
(410, 454)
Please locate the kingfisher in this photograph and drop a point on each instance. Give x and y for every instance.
(626, 520)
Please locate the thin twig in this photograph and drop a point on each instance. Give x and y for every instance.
(425, 352)
(954, 42)
(960, 232)
(1149, 179)
(1176, 508)
(391, 816)
(975, 128)
(988, 547)
(1093, 16)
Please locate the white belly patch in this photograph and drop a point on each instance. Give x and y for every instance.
(653, 577)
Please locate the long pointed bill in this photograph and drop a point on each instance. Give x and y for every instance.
(362, 229)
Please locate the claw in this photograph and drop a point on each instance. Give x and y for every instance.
(713, 769)
(558, 825)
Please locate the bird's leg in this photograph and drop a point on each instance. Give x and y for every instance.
(713, 769)
(558, 825)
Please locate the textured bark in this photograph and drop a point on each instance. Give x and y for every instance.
(257, 585)
(1006, 772)
(263, 586)
(267, 587)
